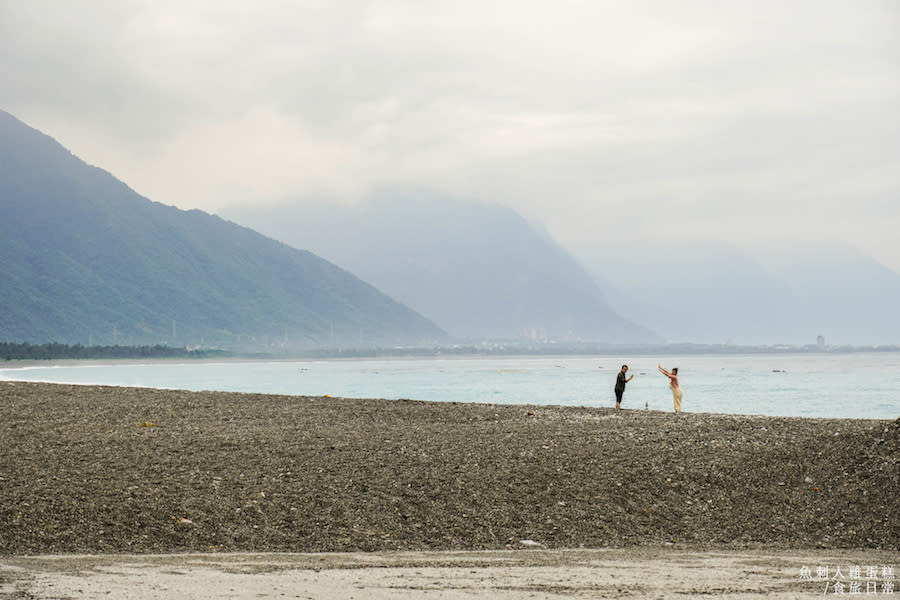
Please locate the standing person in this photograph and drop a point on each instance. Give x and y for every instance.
(677, 394)
(620, 384)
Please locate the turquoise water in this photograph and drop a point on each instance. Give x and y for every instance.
(814, 385)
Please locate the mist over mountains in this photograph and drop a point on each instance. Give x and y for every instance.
(482, 271)
(716, 292)
(85, 259)
(479, 271)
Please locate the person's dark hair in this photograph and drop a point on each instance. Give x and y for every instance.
(675, 370)
(624, 366)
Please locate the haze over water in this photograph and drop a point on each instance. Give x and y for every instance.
(863, 385)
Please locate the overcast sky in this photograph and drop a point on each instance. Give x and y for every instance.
(644, 121)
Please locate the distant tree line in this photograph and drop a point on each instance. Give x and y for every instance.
(53, 350)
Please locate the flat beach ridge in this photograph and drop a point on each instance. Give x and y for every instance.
(93, 469)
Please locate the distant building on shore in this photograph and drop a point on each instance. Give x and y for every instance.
(820, 342)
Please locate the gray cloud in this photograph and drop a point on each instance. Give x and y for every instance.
(726, 119)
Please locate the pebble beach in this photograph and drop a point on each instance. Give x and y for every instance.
(89, 469)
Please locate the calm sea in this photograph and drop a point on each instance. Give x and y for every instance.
(812, 385)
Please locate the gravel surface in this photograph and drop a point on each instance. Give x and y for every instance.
(90, 469)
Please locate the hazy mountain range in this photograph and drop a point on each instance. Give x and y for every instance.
(479, 271)
(716, 292)
(86, 259)
(483, 271)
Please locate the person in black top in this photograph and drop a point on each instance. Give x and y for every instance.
(620, 384)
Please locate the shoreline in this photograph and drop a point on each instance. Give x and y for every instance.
(579, 383)
(622, 410)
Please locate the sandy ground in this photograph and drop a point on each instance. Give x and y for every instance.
(660, 573)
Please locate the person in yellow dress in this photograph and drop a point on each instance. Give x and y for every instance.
(677, 394)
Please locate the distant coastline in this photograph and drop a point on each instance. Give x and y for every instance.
(579, 349)
(27, 352)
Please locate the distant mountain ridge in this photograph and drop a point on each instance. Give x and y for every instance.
(85, 258)
(480, 271)
(721, 293)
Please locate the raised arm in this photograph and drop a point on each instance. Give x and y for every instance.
(664, 372)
